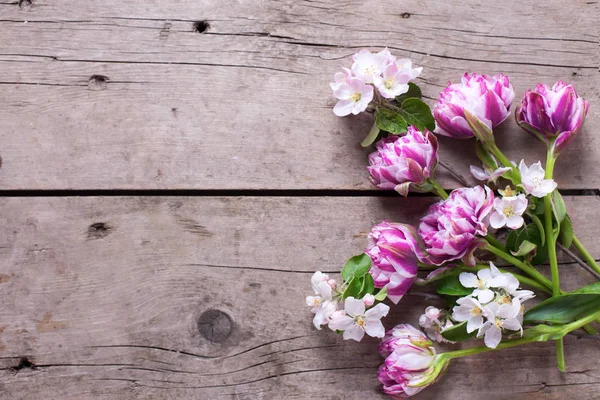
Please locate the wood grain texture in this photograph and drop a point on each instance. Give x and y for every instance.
(127, 95)
(101, 299)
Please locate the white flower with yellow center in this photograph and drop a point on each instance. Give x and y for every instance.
(322, 304)
(501, 317)
(355, 321)
(368, 65)
(508, 212)
(470, 310)
(482, 282)
(533, 181)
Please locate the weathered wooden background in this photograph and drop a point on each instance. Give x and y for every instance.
(219, 113)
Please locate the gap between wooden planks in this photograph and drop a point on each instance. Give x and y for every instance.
(101, 298)
(129, 95)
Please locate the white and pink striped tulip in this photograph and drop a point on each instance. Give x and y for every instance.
(395, 250)
(555, 112)
(487, 98)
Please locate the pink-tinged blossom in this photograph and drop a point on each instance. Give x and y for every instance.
(322, 304)
(355, 321)
(367, 65)
(532, 180)
(340, 78)
(410, 357)
(395, 250)
(555, 112)
(471, 310)
(395, 78)
(451, 226)
(500, 317)
(508, 212)
(400, 161)
(488, 174)
(434, 321)
(486, 97)
(354, 97)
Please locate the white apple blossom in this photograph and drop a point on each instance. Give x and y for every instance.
(482, 282)
(533, 181)
(509, 211)
(470, 310)
(367, 65)
(487, 174)
(393, 83)
(500, 317)
(434, 322)
(340, 78)
(355, 321)
(405, 65)
(322, 304)
(354, 97)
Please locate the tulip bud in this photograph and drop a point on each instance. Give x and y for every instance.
(552, 114)
(473, 107)
(403, 162)
(411, 364)
(395, 250)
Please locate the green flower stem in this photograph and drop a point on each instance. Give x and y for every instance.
(559, 330)
(528, 269)
(437, 189)
(551, 246)
(495, 242)
(515, 174)
(585, 254)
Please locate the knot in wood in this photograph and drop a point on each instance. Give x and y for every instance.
(98, 82)
(215, 325)
(25, 5)
(201, 26)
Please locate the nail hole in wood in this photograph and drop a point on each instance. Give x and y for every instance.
(98, 230)
(25, 5)
(98, 82)
(201, 26)
(215, 325)
(574, 74)
(406, 15)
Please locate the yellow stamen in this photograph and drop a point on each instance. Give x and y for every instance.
(355, 97)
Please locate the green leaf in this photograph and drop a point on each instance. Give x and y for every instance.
(413, 91)
(354, 287)
(390, 121)
(541, 333)
(452, 286)
(532, 234)
(368, 286)
(566, 232)
(371, 137)
(417, 113)
(524, 249)
(356, 266)
(458, 333)
(567, 307)
(558, 206)
(381, 295)
(480, 130)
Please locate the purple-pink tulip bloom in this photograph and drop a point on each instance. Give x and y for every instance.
(450, 227)
(552, 113)
(409, 359)
(395, 250)
(488, 98)
(402, 160)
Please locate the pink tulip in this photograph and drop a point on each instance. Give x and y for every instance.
(395, 250)
(450, 227)
(410, 359)
(487, 98)
(402, 161)
(555, 113)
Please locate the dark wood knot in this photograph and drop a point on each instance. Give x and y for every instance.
(215, 325)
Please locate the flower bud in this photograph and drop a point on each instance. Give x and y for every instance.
(410, 365)
(474, 106)
(555, 113)
(395, 250)
(368, 299)
(402, 161)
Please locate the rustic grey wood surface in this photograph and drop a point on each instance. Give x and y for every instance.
(108, 94)
(101, 297)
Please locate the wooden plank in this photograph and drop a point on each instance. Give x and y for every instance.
(101, 298)
(186, 110)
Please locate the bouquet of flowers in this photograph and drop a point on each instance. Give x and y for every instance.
(517, 216)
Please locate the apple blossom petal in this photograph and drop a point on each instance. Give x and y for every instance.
(343, 108)
(468, 279)
(375, 329)
(377, 312)
(497, 220)
(492, 337)
(354, 307)
(512, 324)
(474, 323)
(485, 295)
(340, 323)
(354, 332)
(515, 222)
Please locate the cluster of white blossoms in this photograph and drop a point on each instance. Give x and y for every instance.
(494, 306)
(354, 87)
(434, 322)
(353, 317)
(509, 209)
